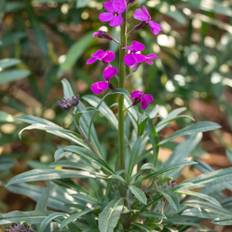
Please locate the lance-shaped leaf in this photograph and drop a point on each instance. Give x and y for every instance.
(109, 217)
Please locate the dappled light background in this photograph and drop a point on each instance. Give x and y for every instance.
(48, 40)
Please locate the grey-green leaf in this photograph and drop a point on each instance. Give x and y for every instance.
(109, 217)
(193, 129)
(13, 75)
(139, 194)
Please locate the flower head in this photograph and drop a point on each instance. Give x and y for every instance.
(114, 10)
(144, 99)
(143, 15)
(109, 72)
(101, 55)
(134, 56)
(99, 87)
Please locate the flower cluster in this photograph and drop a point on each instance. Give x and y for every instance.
(134, 53)
(68, 103)
(134, 56)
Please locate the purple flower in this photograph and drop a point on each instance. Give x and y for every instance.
(99, 87)
(144, 99)
(109, 72)
(134, 56)
(143, 15)
(114, 10)
(101, 55)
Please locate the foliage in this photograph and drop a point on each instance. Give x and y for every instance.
(142, 194)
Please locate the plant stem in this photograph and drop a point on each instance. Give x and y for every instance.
(122, 74)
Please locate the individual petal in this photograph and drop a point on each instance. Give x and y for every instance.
(91, 60)
(119, 6)
(99, 54)
(108, 6)
(135, 46)
(146, 100)
(99, 87)
(109, 72)
(139, 58)
(109, 56)
(116, 21)
(129, 60)
(150, 57)
(136, 95)
(106, 17)
(155, 27)
(142, 14)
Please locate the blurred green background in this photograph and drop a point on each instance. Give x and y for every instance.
(43, 41)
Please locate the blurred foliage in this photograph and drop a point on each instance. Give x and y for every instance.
(49, 37)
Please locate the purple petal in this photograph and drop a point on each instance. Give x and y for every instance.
(116, 21)
(133, 59)
(155, 27)
(136, 95)
(119, 6)
(129, 60)
(139, 58)
(109, 56)
(91, 60)
(142, 14)
(99, 87)
(105, 17)
(109, 72)
(136, 46)
(146, 100)
(108, 6)
(150, 58)
(99, 54)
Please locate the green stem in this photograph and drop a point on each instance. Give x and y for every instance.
(122, 74)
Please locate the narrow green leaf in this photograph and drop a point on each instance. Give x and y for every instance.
(31, 217)
(13, 75)
(51, 174)
(109, 217)
(139, 194)
(46, 221)
(49, 127)
(170, 199)
(170, 117)
(103, 109)
(9, 62)
(184, 149)
(192, 129)
(73, 217)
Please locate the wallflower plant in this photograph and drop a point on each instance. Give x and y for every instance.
(122, 187)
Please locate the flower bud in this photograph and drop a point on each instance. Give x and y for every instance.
(68, 103)
(19, 228)
(102, 35)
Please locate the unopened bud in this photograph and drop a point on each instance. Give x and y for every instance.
(68, 103)
(102, 35)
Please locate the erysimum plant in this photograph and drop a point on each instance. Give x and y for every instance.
(126, 187)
